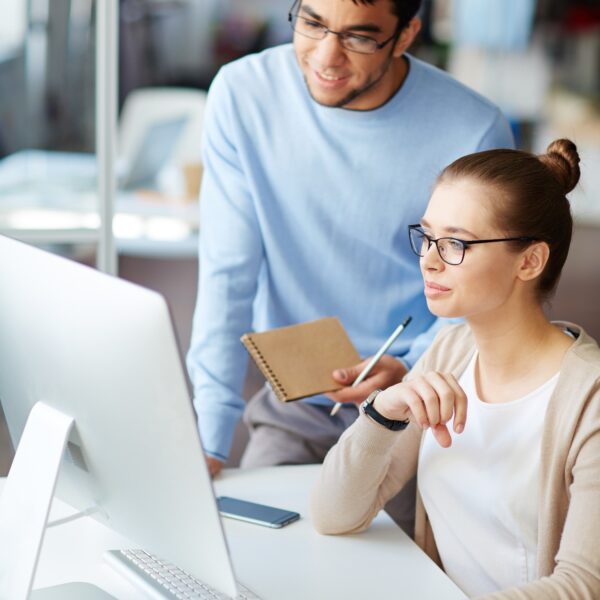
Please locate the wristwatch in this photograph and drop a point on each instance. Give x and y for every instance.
(369, 410)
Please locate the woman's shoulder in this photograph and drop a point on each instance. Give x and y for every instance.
(578, 390)
(450, 350)
(454, 345)
(574, 410)
(584, 353)
(455, 334)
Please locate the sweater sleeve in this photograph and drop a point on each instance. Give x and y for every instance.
(231, 254)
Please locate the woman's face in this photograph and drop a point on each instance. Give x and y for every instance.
(486, 280)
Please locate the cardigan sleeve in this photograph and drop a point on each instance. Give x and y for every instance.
(367, 467)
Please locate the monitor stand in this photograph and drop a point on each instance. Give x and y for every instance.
(26, 499)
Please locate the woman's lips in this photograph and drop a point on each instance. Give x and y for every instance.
(434, 290)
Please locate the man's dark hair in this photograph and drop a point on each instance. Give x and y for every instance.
(405, 10)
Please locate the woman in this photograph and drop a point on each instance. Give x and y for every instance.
(502, 413)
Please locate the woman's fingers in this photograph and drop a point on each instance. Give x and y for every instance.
(417, 408)
(442, 435)
(460, 405)
(429, 398)
(440, 397)
(432, 399)
(437, 396)
(446, 393)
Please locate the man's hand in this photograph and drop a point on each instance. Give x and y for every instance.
(214, 465)
(386, 372)
(430, 400)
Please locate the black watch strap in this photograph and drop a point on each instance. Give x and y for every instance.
(370, 411)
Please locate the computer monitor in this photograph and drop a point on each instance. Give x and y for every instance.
(103, 351)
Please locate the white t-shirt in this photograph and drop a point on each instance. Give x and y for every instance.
(481, 494)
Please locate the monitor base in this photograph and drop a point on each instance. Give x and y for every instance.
(71, 591)
(27, 496)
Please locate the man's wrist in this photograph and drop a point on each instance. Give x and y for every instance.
(215, 455)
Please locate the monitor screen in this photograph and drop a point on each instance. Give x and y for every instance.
(104, 352)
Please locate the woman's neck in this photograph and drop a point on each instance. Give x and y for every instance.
(517, 354)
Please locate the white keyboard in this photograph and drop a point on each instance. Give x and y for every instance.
(165, 581)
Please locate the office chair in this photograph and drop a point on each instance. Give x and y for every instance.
(145, 108)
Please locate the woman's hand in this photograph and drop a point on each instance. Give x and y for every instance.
(386, 372)
(429, 400)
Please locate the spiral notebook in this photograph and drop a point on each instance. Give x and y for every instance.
(298, 360)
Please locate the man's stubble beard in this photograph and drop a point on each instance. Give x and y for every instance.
(354, 94)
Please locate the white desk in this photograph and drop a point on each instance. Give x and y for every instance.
(51, 197)
(293, 563)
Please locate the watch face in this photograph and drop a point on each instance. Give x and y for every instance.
(371, 397)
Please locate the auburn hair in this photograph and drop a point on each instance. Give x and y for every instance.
(531, 197)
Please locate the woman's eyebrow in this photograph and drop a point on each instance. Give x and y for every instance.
(459, 230)
(451, 230)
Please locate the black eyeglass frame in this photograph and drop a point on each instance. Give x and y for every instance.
(463, 243)
(342, 35)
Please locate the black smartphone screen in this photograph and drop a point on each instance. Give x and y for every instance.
(252, 512)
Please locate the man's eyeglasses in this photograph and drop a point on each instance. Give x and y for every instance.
(451, 250)
(350, 41)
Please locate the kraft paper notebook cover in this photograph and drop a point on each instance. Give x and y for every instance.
(298, 360)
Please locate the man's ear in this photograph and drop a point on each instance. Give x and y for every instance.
(534, 260)
(407, 37)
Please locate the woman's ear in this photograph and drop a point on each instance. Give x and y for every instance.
(534, 260)
(407, 37)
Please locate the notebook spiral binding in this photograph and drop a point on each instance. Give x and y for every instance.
(264, 367)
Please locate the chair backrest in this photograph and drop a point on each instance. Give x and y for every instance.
(147, 107)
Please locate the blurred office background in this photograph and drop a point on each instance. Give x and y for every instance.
(538, 60)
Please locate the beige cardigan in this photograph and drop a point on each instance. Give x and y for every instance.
(370, 464)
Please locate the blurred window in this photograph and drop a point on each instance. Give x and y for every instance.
(12, 25)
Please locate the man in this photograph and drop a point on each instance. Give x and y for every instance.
(317, 156)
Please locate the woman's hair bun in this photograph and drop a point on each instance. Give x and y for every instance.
(562, 159)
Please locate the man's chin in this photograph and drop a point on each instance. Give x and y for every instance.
(325, 99)
(328, 99)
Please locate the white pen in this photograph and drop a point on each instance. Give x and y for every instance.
(375, 359)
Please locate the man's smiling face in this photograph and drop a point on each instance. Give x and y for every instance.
(339, 77)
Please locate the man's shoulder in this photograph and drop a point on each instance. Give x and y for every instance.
(440, 87)
(450, 109)
(438, 82)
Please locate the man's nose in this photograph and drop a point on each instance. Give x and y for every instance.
(329, 51)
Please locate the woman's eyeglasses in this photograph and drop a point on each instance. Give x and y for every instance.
(451, 250)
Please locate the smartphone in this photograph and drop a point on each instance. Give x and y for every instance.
(251, 512)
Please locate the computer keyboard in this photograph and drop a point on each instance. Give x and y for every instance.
(165, 581)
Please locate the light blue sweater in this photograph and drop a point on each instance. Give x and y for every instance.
(304, 212)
